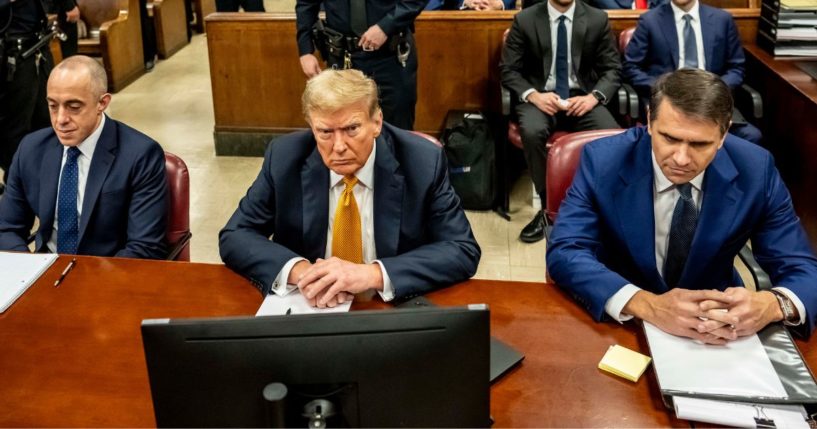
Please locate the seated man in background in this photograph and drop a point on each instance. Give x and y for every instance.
(687, 34)
(626, 4)
(558, 87)
(471, 5)
(350, 207)
(655, 217)
(97, 186)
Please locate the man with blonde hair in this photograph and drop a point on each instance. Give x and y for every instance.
(97, 186)
(352, 206)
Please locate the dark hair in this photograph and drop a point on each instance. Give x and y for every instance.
(697, 93)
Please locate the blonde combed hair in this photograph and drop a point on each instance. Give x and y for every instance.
(332, 90)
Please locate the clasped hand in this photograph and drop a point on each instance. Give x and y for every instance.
(709, 316)
(333, 281)
(551, 103)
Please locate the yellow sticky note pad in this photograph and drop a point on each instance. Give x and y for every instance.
(624, 363)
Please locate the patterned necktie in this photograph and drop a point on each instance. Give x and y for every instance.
(682, 229)
(690, 45)
(357, 16)
(68, 218)
(346, 234)
(562, 88)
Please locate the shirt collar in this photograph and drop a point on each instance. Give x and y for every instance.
(365, 175)
(662, 184)
(555, 14)
(679, 13)
(88, 145)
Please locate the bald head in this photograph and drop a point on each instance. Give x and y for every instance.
(80, 65)
(77, 98)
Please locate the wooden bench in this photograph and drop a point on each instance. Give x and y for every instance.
(253, 56)
(202, 8)
(170, 23)
(114, 32)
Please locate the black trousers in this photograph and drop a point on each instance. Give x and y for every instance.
(233, 5)
(397, 85)
(536, 126)
(70, 45)
(23, 107)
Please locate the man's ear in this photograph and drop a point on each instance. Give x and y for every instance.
(104, 101)
(647, 112)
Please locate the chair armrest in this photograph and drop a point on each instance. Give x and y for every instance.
(761, 279)
(505, 95)
(745, 95)
(632, 102)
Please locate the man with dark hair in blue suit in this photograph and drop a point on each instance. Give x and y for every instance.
(687, 34)
(97, 186)
(351, 207)
(655, 217)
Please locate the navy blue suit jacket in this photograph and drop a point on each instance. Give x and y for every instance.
(421, 234)
(604, 237)
(653, 50)
(124, 207)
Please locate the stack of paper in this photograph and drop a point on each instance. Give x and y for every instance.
(19, 271)
(624, 363)
(295, 303)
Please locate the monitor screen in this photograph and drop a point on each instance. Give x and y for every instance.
(424, 367)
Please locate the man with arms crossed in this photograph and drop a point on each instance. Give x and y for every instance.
(97, 186)
(352, 206)
(654, 219)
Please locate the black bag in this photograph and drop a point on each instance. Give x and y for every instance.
(469, 146)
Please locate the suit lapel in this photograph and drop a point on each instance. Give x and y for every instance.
(543, 32)
(577, 42)
(634, 204)
(315, 191)
(103, 158)
(706, 34)
(670, 33)
(388, 197)
(49, 183)
(718, 213)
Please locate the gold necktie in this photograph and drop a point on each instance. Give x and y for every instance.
(346, 236)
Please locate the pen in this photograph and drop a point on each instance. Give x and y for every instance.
(289, 311)
(65, 272)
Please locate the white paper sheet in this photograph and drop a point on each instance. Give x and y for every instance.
(295, 302)
(740, 368)
(18, 271)
(739, 414)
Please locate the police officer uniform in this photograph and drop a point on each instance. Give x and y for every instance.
(393, 66)
(23, 107)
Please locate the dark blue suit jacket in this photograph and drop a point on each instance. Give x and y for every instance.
(653, 50)
(604, 237)
(443, 4)
(124, 207)
(421, 234)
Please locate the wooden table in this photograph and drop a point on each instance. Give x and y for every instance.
(72, 356)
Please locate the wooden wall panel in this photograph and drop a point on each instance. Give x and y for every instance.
(257, 80)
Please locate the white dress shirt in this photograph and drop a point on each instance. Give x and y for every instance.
(665, 197)
(554, 15)
(695, 22)
(86, 149)
(364, 196)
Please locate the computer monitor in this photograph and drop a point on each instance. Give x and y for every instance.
(424, 367)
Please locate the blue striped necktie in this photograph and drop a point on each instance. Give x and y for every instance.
(690, 45)
(68, 217)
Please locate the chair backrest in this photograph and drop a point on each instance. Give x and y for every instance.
(562, 161)
(178, 234)
(428, 137)
(624, 39)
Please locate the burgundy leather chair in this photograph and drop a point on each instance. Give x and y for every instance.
(624, 39)
(563, 159)
(178, 233)
(428, 137)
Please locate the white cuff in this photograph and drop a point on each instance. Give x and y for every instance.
(280, 286)
(801, 309)
(524, 96)
(616, 303)
(387, 294)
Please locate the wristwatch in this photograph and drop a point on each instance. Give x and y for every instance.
(787, 307)
(599, 96)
